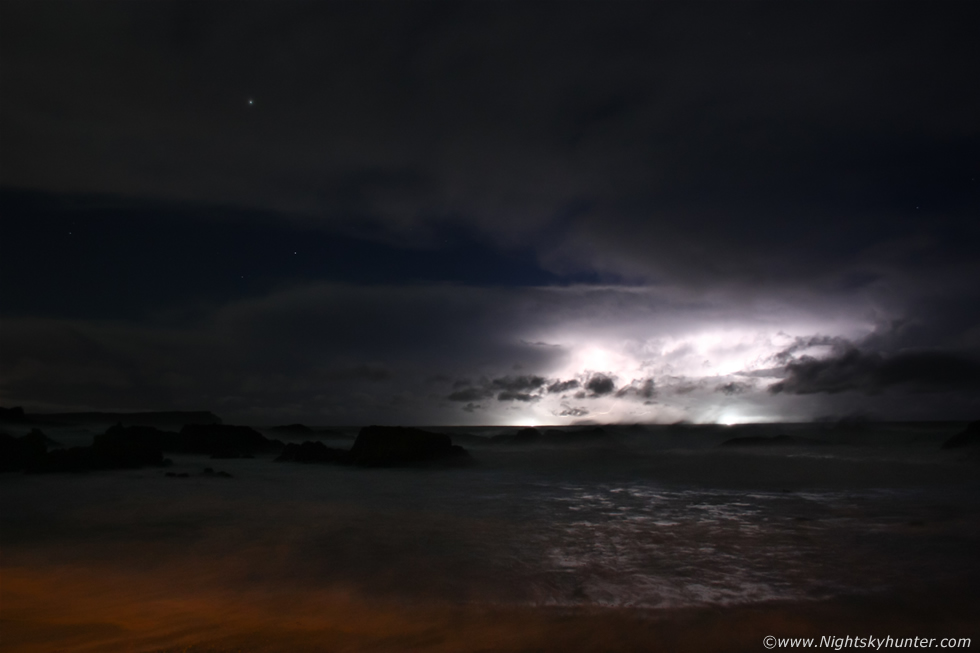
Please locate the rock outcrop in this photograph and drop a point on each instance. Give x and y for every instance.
(382, 446)
(111, 450)
(313, 452)
(215, 440)
(223, 441)
(15, 414)
(26, 452)
(390, 446)
(969, 437)
(296, 429)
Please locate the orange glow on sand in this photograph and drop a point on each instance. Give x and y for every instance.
(76, 609)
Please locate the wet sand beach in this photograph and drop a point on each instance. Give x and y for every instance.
(75, 610)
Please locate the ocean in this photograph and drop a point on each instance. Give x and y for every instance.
(623, 540)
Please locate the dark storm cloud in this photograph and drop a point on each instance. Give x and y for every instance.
(870, 372)
(751, 165)
(373, 372)
(562, 386)
(510, 395)
(637, 140)
(641, 388)
(519, 383)
(681, 386)
(572, 411)
(802, 344)
(329, 352)
(734, 388)
(600, 384)
(507, 388)
(469, 394)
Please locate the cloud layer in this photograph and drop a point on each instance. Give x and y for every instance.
(491, 212)
(331, 353)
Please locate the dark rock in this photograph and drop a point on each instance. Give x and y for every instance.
(126, 447)
(215, 440)
(217, 474)
(144, 436)
(526, 435)
(75, 459)
(586, 435)
(292, 428)
(389, 446)
(105, 455)
(224, 440)
(330, 433)
(50, 442)
(26, 452)
(114, 449)
(15, 414)
(521, 436)
(768, 441)
(970, 437)
(313, 452)
(228, 454)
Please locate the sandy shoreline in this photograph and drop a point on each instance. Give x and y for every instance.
(649, 548)
(76, 609)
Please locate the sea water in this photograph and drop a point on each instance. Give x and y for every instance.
(642, 517)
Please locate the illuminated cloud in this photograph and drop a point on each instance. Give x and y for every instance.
(340, 353)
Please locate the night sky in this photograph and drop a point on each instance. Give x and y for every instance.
(491, 212)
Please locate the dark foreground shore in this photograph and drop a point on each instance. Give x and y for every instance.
(631, 539)
(57, 608)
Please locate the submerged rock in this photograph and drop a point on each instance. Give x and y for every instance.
(381, 446)
(389, 446)
(312, 452)
(25, 452)
(126, 447)
(768, 441)
(526, 435)
(291, 428)
(215, 440)
(224, 440)
(15, 414)
(969, 437)
(229, 454)
(111, 450)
